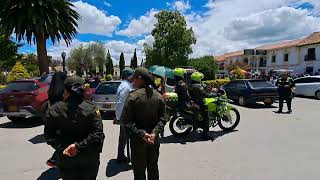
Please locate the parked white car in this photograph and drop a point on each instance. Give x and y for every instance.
(105, 96)
(308, 86)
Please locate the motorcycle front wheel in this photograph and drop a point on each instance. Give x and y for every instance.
(230, 121)
(178, 127)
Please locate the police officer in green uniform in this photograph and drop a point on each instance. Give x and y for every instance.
(184, 99)
(74, 129)
(285, 85)
(144, 118)
(198, 94)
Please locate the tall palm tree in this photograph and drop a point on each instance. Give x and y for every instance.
(37, 21)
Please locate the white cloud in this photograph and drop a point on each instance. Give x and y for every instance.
(180, 5)
(56, 49)
(107, 4)
(141, 26)
(230, 25)
(95, 21)
(272, 25)
(117, 47)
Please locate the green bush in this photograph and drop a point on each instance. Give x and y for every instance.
(3, 78)
(217, 83)
(18, 72)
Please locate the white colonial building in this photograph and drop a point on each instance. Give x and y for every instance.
(301, 56)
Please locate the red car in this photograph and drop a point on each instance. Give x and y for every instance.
(24, 98)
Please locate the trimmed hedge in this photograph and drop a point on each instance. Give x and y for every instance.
(18, 72)
(216, 83)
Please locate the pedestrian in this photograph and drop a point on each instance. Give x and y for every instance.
(144, 119)
(55, 94)
(122, 93)
(80, 136)
(285, 86)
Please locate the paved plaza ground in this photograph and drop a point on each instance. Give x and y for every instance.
(266, 146)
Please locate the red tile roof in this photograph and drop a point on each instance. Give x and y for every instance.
(314, 38)
(280, 45)
(228, 55)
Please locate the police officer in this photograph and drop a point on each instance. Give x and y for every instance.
(198, 94)
(74, 129)
(285, 85)
(184, 99)
(144, 119)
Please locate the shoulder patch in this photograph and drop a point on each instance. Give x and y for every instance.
(98, 112)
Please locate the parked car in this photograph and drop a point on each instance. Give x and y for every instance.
(48, 78)
(308, 86)
(105, 96)
(24, 98)
(251, 91)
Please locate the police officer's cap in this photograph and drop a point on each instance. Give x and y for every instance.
(144, 73)
(127, 72)
(70, 81)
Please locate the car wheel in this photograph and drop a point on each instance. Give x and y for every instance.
(16, 119)
(318, 95)
(268, 104)
(242, 101)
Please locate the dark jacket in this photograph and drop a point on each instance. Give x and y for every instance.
(285, 91)
(197, 93)
(80, 125)
(144, 112)
(181, 88)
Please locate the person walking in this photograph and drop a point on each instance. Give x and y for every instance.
(285, 85)
(74, 129)
(144, 118)
(122, 93)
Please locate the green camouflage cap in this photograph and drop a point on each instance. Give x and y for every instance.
(144, 73)
(127, 72)
(74, 80)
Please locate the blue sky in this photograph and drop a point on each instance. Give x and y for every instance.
(219, 25)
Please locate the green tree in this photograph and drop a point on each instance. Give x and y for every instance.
(18, 72)
(30, 62)
(80, 60)
(9, 53)
(122, 63)
(109, 64)
(134, 60)
(97, 52)
(39, 20)
(172, 40)
(206, 65)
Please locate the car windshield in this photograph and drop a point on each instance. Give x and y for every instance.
(108, 88)
(46, 79)
(260, 84)
(20, 86)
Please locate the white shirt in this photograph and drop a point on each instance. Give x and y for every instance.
(122, 93)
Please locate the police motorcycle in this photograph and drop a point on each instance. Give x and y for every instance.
(220, 113)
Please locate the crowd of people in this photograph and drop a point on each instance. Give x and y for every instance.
(74, 126)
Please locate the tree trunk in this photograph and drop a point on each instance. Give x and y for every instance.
(42, 54)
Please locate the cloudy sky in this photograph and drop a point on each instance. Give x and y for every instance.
(220, 25)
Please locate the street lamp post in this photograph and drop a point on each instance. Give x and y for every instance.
(63, 55)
